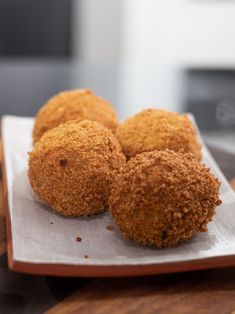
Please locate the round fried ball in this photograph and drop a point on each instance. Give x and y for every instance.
(154, 129)
(72, 167)
(76, 104)
(161, 198)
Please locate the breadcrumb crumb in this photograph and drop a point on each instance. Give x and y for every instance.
(109, 227)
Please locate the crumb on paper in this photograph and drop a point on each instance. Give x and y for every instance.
(109, 227)
(86, 256)
(78, 239)
(51, 223)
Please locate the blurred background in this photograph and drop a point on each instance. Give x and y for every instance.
(172, 54)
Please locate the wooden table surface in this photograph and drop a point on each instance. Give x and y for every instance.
(209, 291)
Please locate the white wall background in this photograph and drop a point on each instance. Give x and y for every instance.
(182, 32)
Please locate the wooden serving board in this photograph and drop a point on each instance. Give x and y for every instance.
(38, 247)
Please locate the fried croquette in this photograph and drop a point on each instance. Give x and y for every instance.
(76, 104)
(154, 129)
(161, 198)
(72, 166)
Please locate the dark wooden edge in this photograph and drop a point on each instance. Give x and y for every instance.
(103, 271)
(118, 271)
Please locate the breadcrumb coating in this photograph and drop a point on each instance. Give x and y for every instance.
(154, 129)
(161, 198)
(79, 104)
(72, 167)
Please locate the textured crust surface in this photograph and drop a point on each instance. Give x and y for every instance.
(154, 129)
(72, 167)
(162, 198)
(70, 105)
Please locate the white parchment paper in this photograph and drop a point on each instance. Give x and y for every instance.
(41, 236)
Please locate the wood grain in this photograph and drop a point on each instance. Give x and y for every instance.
(201, 292)
(232, 182)
(3, 241)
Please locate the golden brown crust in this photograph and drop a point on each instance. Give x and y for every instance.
(154, 129)
(72, 167)
(70, 105)
(162, 198)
